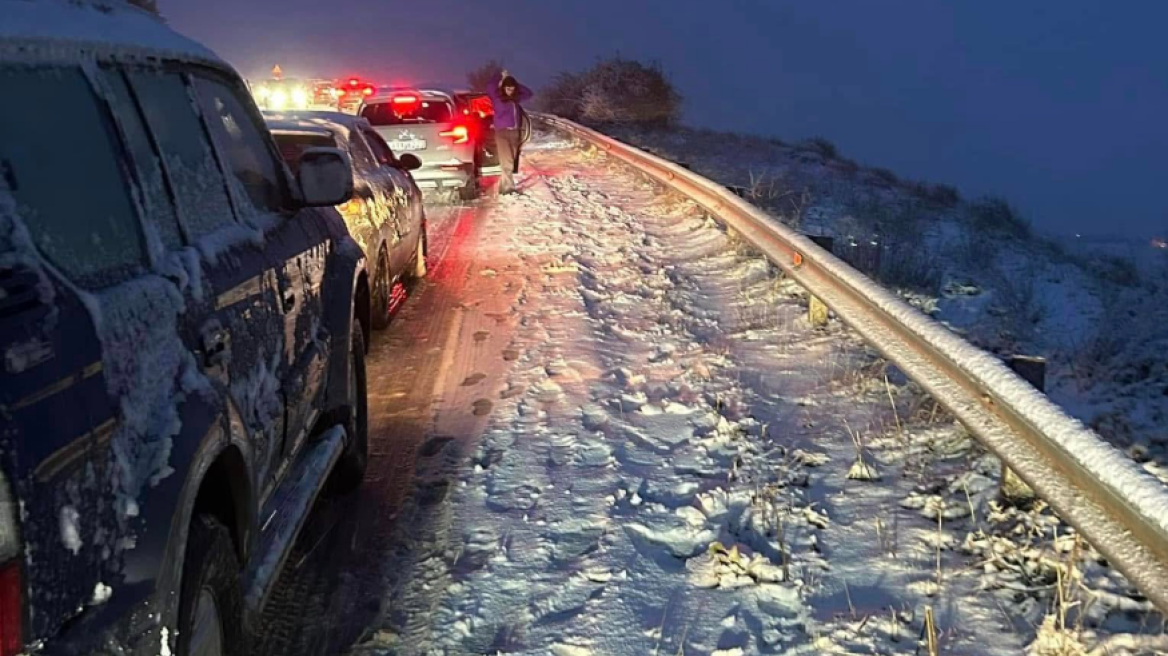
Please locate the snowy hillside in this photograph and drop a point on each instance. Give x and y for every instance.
(1096, 309)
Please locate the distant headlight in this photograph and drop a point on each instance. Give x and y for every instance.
(300, 98)
(278, 99)
(262, 93)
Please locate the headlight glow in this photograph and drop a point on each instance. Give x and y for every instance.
(279, 99)
(300, 97)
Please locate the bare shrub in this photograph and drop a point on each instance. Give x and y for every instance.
(846, 166)
(976, 250)
(885, 177)
(1117, 270)
(479, 78)
(614, 91)
(820, 146)
(995, 214)
(911, 266)
(940, 195)
(149, 5)
(1017, 300)
(906, 261)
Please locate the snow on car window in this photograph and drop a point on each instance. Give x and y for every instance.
(199, 186)
(155, 197)
(242, 144)
(61, 163)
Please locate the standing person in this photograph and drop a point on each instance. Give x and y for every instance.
(507, 94)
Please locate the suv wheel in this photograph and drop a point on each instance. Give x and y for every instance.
(382, 288)
(211, 606)
(350, 470)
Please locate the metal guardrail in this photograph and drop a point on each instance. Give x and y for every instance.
(1118, 507)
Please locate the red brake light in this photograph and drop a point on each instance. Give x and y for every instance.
(368, 91)
(11, 617)
(354, 82)
(459, 133)
(405, 100)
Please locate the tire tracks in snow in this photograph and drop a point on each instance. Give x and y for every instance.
(663, 468)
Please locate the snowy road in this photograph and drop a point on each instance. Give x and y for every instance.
(601, 427)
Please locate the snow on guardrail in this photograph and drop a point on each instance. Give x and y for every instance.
(1118, 507)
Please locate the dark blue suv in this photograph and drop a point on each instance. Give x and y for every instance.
(182, 330)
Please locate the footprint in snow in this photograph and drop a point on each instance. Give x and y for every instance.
(512, 392)
(435, 445)
(482, 407)
(473, 379)
(510, 355)
(431, 493)
(481, 336)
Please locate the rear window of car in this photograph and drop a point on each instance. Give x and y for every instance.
(426, 111)
(478, 105)
(62, 162)
(293, 145)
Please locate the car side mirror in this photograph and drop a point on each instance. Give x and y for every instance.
(409, 162)
(325, 177)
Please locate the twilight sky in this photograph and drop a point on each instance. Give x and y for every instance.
(1060, 106)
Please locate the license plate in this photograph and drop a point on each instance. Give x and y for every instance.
(409, 144)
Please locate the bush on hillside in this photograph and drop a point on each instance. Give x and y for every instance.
(940, 195)
(614, 91)
(479, 78)
(820, 145)
(886, 178)
(995, 214)
(149, 5)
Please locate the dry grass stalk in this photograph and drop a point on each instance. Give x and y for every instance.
(931, 632)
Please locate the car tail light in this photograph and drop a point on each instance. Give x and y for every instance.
(11, 617)
(11, 585)
(459, 133)
(367, 91)
(405, 100)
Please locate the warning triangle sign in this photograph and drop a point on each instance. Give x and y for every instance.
(276, 72)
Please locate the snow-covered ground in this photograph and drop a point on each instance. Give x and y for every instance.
(677, 462)
(1097, 310)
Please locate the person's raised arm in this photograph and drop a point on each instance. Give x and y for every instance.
(523, 94)
(493, 85)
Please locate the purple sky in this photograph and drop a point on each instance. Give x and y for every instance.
(1062, 107)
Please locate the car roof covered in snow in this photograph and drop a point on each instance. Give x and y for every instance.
(30, 29)
(383, 94)
(299, 127)
(335, 122)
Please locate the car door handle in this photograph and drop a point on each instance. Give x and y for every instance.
(289, 300)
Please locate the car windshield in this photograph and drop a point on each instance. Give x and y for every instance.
(426, 111)
(293, 144)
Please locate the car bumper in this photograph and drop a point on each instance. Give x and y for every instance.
(443, 176)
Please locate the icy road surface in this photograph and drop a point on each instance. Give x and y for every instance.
(602, 427)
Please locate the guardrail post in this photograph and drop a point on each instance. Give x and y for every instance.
(1015, 491)
(816, 310)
